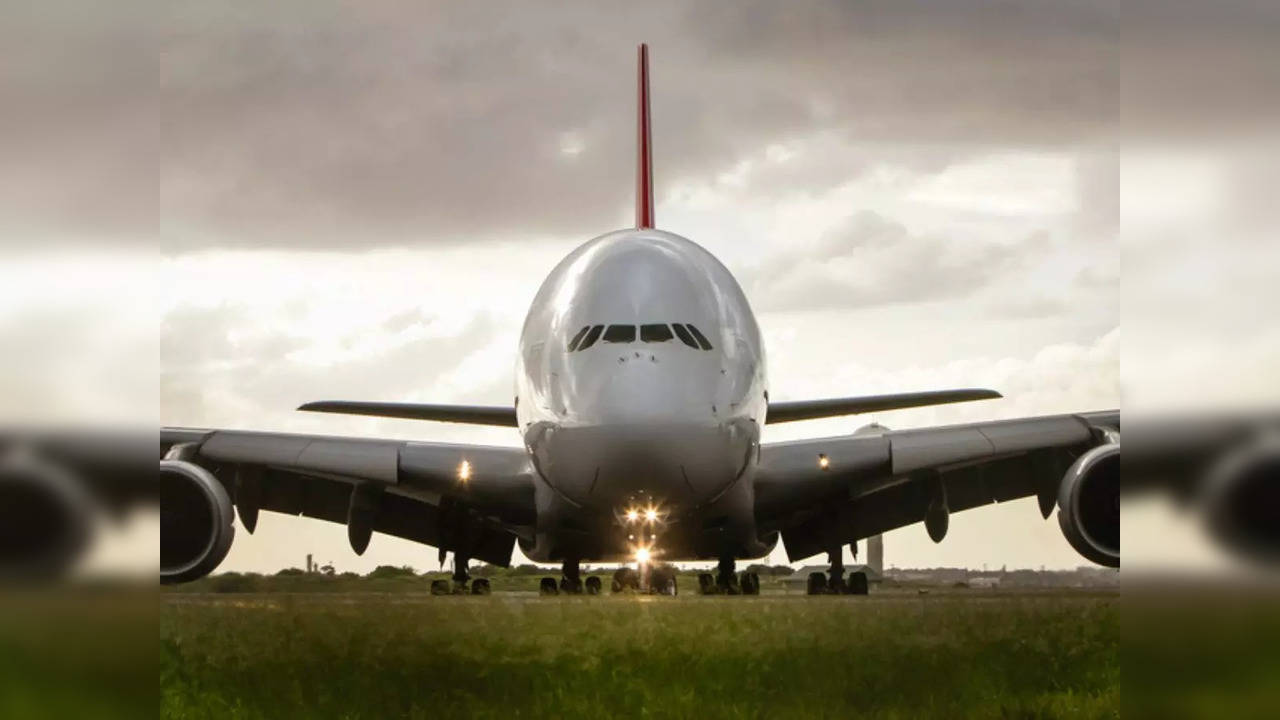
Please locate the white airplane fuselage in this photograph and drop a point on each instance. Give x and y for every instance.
(651, 420)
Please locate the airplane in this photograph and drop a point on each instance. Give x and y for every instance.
(641, 392)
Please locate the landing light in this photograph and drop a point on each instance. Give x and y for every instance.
(642, 555)
(464, 471)
(651, 515)
(823, 462)
(633, 515)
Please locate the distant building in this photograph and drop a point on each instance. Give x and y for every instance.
(875, 553)
(984, 581)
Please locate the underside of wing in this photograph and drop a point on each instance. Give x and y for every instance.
(472, 414)
(780, 412)
(471, 500)
(826, 492)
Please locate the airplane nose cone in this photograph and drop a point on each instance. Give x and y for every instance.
(642, 386)
(678, 464)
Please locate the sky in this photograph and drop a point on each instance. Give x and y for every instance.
(212, 213)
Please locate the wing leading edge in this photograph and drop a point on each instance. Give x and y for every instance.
(780, 412)
(472, 414)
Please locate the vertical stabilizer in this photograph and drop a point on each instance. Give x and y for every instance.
(644, 147)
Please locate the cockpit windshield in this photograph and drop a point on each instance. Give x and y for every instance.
(655, 333)
(620, 334)
(649, 333)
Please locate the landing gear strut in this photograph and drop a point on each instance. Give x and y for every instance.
(725, 581)
(835, 575)
(460, 574)
(571, 582)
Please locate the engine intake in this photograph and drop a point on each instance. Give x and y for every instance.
(1089, 504)
(1242, 501)
(196, 522)
(46, 515)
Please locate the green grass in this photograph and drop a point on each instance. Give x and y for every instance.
(406, 655)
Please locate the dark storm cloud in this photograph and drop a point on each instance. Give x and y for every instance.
(314, 124)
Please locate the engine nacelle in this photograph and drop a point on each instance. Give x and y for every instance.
(1089, 504)
(1241, 501)
(46, 516)
(196, 522)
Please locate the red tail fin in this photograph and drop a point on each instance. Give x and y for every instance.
(644, 148)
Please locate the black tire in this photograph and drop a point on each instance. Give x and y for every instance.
(706, 583)
(593, 585)
(750, 583)
(480, 586)
(626, 579)
(662, 580)
(817, 584)
(570, 587)
(441, 587)
(548, 586)
(858, 584)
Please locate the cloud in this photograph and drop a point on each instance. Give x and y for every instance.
(230, 366)
(322, 125)
(870, 260)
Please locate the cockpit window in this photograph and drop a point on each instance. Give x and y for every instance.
(702, 339)
(620, 334)
(655, 333)
(650, 333)
(591, 337)
(684, 335)
(577, 338)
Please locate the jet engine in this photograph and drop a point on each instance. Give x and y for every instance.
(196, 522)
(1241, 500)
(1089, 504)
(46, 517)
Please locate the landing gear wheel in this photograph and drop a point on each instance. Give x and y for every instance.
(440, 587)
(837, 586)
(706, 584)
(593, 585)
(817, 583)
(480, 586)
(570, 587)
(548, 586)
(626, 579)
(750, 583)
(662, 580)
(858, 583)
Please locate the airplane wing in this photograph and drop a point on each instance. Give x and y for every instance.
(780, 412)
(472, 414)
(471, 499)
(826, 492)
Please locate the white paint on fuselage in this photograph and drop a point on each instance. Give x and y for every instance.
(679, 423)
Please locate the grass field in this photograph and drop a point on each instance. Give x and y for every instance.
(997, 655)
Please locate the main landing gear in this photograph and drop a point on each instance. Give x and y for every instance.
(460, 583)
(833, 582)
(726, 582)
(571, 582)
